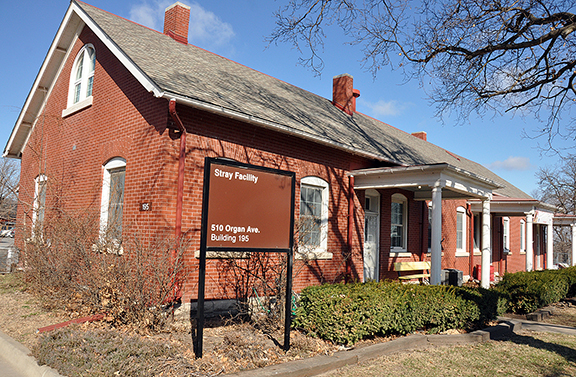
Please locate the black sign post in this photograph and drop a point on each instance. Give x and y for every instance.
(245, 208)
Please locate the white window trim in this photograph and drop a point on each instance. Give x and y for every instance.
(477, 223)
(84, 100)
(463, 251)
(320, 252)
(506, 234)
(36, 206)
(115, 163)
(403, 250)
(522, 236)
(429, 224)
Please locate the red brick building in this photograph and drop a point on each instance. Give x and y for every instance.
(96, 136)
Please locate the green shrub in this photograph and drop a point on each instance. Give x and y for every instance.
(346, 313)
(529, 291)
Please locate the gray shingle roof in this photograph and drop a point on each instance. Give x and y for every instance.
(200, 75)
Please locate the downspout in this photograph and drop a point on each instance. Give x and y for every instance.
(181, 165)
(177, 294)
(350, 227)
(471, 241)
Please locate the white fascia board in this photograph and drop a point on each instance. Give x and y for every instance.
(508, 208)
(142, 78)
(441, 175)
(55, 57)
(269, 125)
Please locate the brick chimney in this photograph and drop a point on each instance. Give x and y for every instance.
(343, 93)
(176, 21)
(420, 135)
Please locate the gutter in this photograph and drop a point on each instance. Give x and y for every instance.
(215, 109)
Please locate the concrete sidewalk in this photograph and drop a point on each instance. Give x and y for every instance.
(15, 361)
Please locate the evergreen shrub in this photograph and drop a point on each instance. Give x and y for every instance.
(347, 313)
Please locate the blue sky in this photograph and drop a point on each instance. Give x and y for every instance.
(237, 30)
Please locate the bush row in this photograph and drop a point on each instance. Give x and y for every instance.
(526, 292)
(346, 313)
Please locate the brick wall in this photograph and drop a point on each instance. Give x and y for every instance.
(126, 121)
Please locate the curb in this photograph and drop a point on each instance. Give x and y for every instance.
(18, 356)
(322, 364)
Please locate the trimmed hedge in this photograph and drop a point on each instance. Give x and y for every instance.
(347, 313)
(529, 291)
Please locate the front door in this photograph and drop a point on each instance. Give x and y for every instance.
(371, 235)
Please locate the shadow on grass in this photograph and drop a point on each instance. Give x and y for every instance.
(567, 353)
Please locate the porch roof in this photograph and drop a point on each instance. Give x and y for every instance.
(456, 183)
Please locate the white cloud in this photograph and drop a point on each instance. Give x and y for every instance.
(512, 163)
(385, 108)
(206, 28)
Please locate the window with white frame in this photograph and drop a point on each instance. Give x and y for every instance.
(461, 231)
(40, 188)
(399, 228)
(112, 203)
(477, 235)
(430, 227)
(313, 222)
(506, 234)
(81, 80)
(522, 236)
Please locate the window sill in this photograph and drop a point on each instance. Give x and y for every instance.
(223, 255)
(522, 252)
(400, 253)
(77, 107)
(311, 255)
(477, 252)
(462, 253)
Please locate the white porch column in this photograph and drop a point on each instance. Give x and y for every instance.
(436, 258)
(486, 250)
(549, 246)
(529, 241)
(573, 244)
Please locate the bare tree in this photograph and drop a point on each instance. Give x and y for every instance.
(9, 175)
(557, 185)
(472, 55)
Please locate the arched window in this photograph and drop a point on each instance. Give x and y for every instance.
(399, 220)
(522, 236)
(112, 203)
(82, 76)
(313, 222)
(506, 234)
(40, 188)
(461, 232)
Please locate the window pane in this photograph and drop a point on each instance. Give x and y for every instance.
(41, 201)
(77, 93)
(310, 215)
(116, 203)
(80, 67)
(459, 230)
(91, 61)
(89, 86)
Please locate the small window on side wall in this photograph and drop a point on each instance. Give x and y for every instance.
(313, 220)
(399, 222)
(112, 203)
